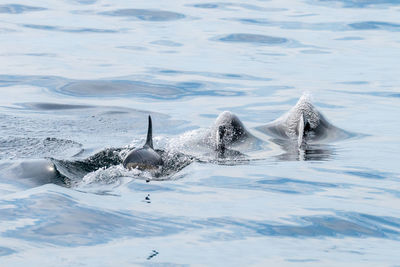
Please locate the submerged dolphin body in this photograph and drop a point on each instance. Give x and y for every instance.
(146, 157)
(304, 124)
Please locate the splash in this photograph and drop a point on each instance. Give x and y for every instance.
(105, 168)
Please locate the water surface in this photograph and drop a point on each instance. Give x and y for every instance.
(79, 77)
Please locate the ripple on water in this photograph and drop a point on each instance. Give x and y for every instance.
(53, 106)
(53, 215)
(380, 93)
(18, 9)
(253, 38)
(145, 14)
(28, 147)
(166, 43)
(346, 224)
(209, 5)
(59, 215)
(314, 52)
(232, 6)
(84, 2)
(97, 88)
(354, 82)
(294, 25)
(204, 74)
(323, 26)
(66, 29)
(359, 172)
(375, 25)
(6, 251)
(350, 38)
(271, 184)
(359, 3)
(118, 88)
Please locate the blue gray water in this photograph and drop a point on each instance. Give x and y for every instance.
(78, 77)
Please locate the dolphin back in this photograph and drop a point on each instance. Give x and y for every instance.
(143, 158)
(228, 129)
(305, 124)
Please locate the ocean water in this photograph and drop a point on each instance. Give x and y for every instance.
(78, 79)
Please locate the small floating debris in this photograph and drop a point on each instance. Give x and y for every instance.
(147, 199)
(153, 254)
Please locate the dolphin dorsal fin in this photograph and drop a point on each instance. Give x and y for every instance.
(300, 129)
(149, 140)
(220, 140)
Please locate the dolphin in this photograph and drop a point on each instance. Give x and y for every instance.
(144, 158)
(221, 149)
(303, 124)
(229, 132)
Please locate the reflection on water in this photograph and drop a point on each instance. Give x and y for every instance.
(308, 152)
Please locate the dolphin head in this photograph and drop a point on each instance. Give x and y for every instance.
(228, 129)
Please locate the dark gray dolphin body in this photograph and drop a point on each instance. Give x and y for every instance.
(33, 172)
(304, 124)
(146, 157)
